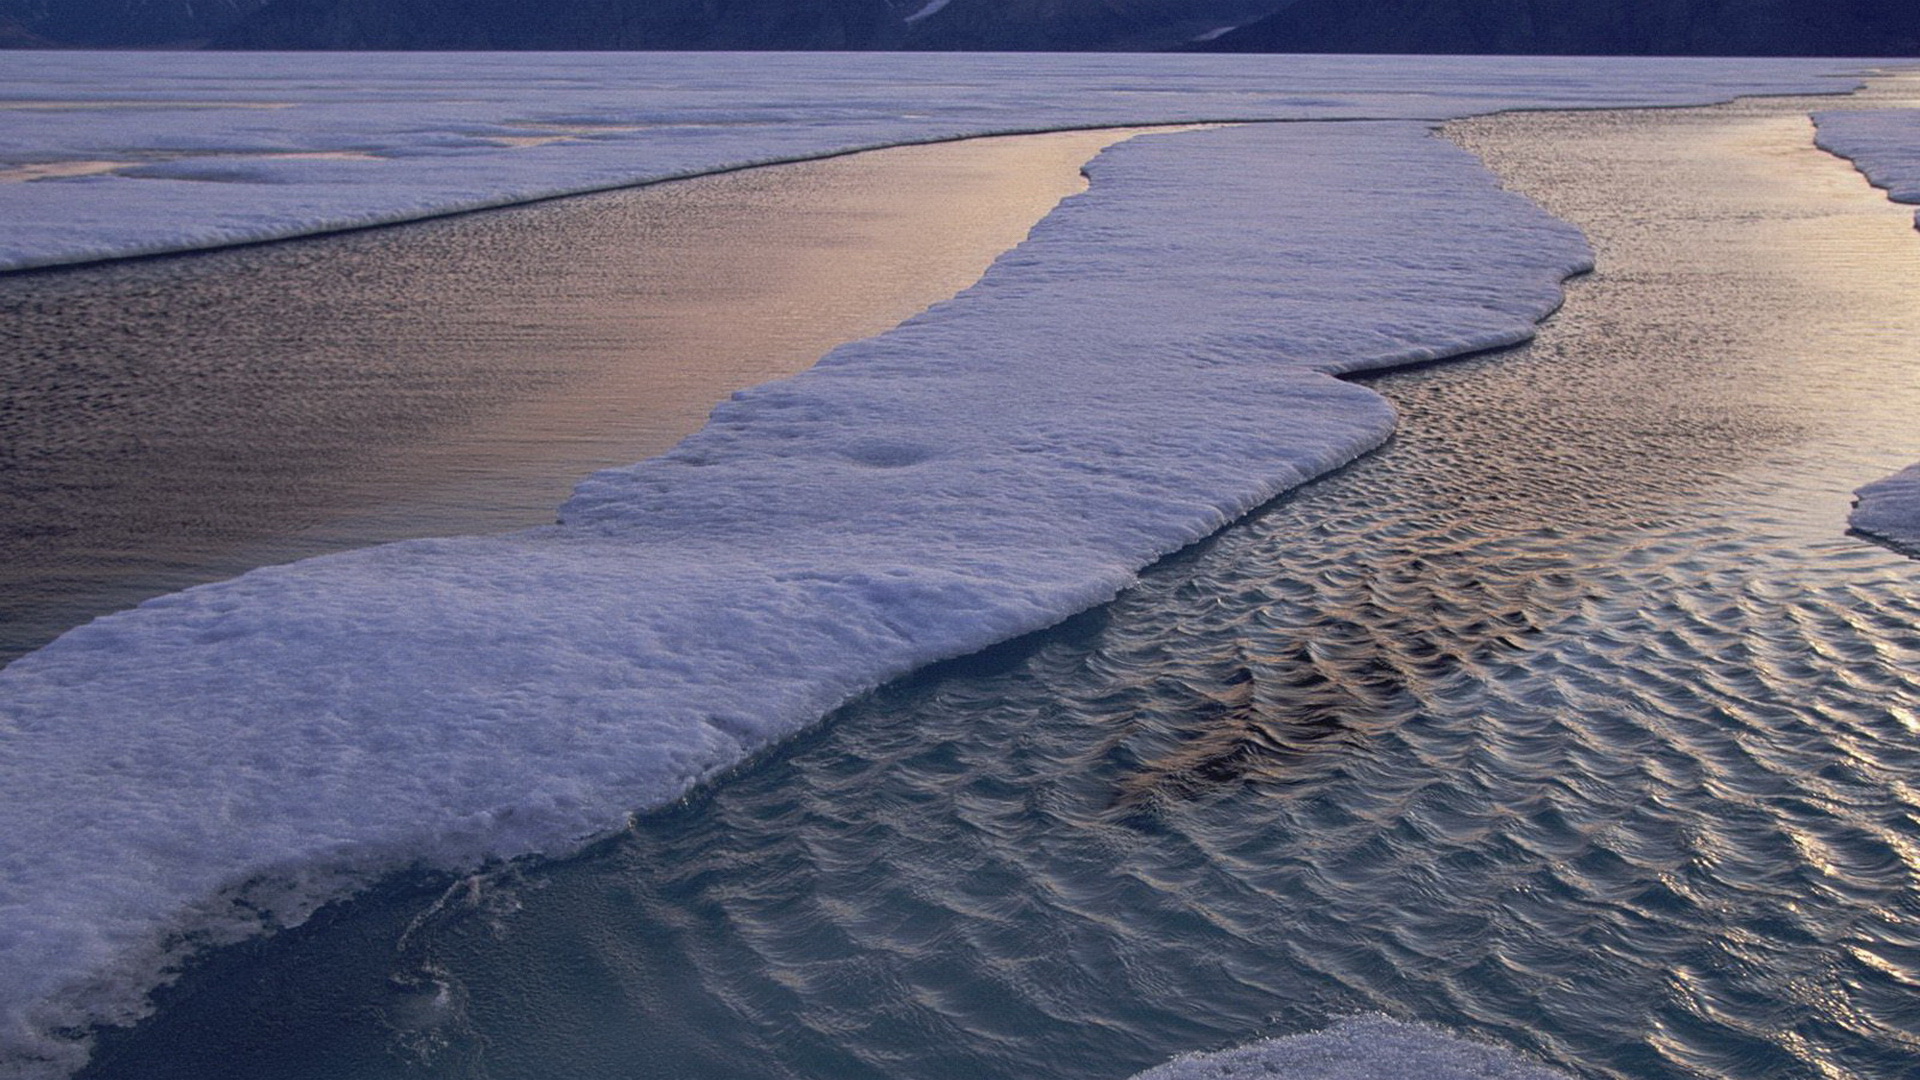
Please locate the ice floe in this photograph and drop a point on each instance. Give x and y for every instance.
(1361, 1048)
(1884, 144)
(1889, 509)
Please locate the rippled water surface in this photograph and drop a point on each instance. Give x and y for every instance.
(1571, 719)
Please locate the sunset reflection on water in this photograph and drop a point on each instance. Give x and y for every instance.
(171, 421)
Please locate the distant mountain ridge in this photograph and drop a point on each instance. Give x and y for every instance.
(1019, 25)
(568, 24)
(1542, 27)
(1078, 25)
(1585, 28)
(112, 24)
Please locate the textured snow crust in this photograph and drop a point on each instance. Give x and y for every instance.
(1153, 363)
(1889, 509)
(212, 149)
(1884, 144)
(1363, 1048)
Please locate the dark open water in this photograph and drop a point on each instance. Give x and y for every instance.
(1571, 719)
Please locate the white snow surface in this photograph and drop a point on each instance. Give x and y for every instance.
(1890, 510)
(230, 148)
(1884, 144)
(1154, 362)
(1361, 1048)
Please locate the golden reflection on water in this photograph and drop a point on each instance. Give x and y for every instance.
(58, 170)
(194, 417)
(1856, 255)
(692, 291)
(1786, 290)
(1786, 286)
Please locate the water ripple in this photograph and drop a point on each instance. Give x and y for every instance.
(1562, 720)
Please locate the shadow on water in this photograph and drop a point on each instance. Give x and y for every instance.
(1570, 719)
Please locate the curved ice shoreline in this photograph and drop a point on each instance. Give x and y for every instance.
(1889, 509)
(1109, 393)
(1153, 363)
(209, 150)
(1884, 144)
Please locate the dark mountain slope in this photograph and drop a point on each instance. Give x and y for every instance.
(567, 24)
(1074, 25)
(1587, 27)
(737, 24)
(15, 36)
(118, 23)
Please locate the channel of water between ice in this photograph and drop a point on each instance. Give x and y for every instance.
(895, 505)
(1885, 145)
(168, 422)
(1571, 719)
(1455, 266)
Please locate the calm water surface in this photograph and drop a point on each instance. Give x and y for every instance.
(1571, 720)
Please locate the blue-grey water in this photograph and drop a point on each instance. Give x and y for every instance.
(1571, 719)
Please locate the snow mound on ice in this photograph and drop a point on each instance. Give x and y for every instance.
(1362, 1048)
(1884, 144)
(1889, 509)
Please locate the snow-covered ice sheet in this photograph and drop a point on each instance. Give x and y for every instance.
(1889, 509)
(1884, 144)
(1362, 1048)
(1154, 362)
(211, 149)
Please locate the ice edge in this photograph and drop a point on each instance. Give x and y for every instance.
(1884, 145)
(90, 936)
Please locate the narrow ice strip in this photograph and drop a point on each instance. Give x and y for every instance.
(1363, 1048)
(1889, 510)
(1153, 363)
(235, 148)
(1884, 144)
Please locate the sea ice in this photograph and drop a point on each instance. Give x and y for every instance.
(232, 148)
(1884, 144)
(1361, 1048)
(1889, 509)
(1155, 361)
